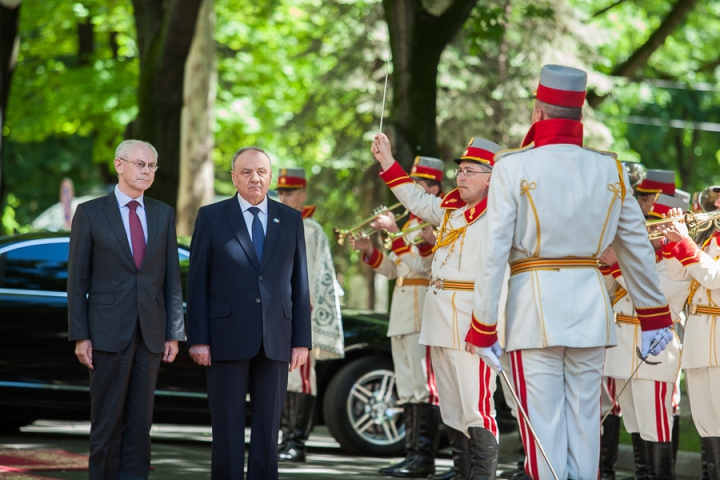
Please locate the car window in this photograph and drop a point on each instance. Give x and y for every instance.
(35, 267)
(184, 257)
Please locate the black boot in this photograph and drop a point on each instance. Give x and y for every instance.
(483, 454)
(460, 447)
(703, 460)
(675, 437)
(520, 474)
(302, 415)
(609, 447)
(286, 421)
(660, 460)
(410, 421)
(427, 436)
(642, 469)
(712, 449)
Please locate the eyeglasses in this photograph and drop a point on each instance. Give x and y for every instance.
(468, 173)
(140, 165)
(247, 172)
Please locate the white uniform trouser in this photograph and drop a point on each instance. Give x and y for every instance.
(703, 389)
(608, 400)
(647, 408)
(466, 386)
(302, 379)
(414, 377)
(560, 390)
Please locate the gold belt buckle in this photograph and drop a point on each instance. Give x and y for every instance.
(693, 309)
(399, 282)
(439, 283)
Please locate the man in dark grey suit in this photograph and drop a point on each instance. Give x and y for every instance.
(248, 314)
(125, 310)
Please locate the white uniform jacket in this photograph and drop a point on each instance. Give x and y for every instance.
(448, 304)
(687, 261)
(621, 360)
(327, 330)
(409, 265)
(551, 211)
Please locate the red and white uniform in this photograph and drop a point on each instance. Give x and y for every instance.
(409, 266)
(647, 403)
(465, 383)
(701, 359)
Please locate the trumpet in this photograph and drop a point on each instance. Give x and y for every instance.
(389, 237)
(695, 222)
(707, 198)
(355, 230)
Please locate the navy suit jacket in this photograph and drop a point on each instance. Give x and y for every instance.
(236, 303)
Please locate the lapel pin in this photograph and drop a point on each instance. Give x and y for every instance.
(275, 220)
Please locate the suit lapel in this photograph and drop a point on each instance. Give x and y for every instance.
(152, 226)
(237, 222)
(271, 233)
(112, 213)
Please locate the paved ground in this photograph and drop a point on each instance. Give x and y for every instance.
(184, 452)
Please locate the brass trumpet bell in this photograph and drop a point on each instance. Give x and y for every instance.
(356, 230)
(708, 197)
(695, 222)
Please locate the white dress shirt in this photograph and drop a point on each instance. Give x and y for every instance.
(262, 215)
(123, 200)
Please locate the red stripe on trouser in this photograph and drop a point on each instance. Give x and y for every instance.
(433, 397)
(612, 391)
(531, 466)
(662, 420)
(485, 399)
(305, 378)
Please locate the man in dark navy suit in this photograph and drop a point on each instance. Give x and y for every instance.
(248, 314)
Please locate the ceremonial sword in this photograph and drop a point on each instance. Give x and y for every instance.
(644, 359)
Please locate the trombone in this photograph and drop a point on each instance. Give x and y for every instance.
(389, 237)
(696, 223)
(355, 230)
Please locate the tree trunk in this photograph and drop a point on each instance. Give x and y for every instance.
(197, 173)
(165, 30)
(417, 40)
(9, 42)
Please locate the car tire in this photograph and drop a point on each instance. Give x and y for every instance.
(361, 412)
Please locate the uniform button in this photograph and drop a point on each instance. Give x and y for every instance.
(257, 300)
(260, 278)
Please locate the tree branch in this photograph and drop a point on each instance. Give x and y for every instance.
(608, 8)
(453, 19)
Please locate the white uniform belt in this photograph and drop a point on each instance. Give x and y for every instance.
(537, 263)
(704, 310)
(445, 284)
(412, 282)
(620, 318)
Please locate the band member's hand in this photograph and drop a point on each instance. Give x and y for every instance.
(171, 351)
(608, 256)
(298, 358)
(201, 355)
(490, 355)
(382, 150)
(362, 244)
(675, 231)
(428, 235)
(663, 336)
(83, 351)
(386, 221)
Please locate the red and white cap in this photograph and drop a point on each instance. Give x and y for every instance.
(658, 181)
(430, 168)
(480, 151)
(291, 178)
(664, 203)
(562, 86)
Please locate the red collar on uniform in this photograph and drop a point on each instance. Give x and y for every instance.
(452, 201)
(555, 131)
(473, 213)
(309, 211)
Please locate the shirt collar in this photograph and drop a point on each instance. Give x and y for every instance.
(244, 204)
(123, 199)
(555, 131)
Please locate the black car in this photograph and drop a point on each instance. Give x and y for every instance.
(40, 376)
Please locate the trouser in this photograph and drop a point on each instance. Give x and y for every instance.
(414, 376)
(466, 386)
(647, 408)
(303, 378)
(122, 394)
(703, 388)
(608, 397)
(559, 387)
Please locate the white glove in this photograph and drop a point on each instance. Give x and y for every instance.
(491, 356)
(663, 335)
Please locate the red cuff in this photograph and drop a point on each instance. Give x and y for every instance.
(481, 334)
(425, 249)
(613, 270)
(686, 251)
(652, 318)
(375, 259)
(400, 247)
(395, 176)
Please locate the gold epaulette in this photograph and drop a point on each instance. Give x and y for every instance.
(603, 152)
(510, 151)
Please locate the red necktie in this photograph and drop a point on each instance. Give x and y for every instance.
(137, 236)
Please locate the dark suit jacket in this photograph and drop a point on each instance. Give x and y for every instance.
(236, 303)
(107, 294)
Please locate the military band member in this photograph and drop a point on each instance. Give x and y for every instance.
(655, 182)
(465, 383)
(647, 402)
(327, 331)
(700, 361)
(553, 207)
(409, 265)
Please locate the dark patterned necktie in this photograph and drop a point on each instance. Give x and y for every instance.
(137, 236)
(258, 235)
